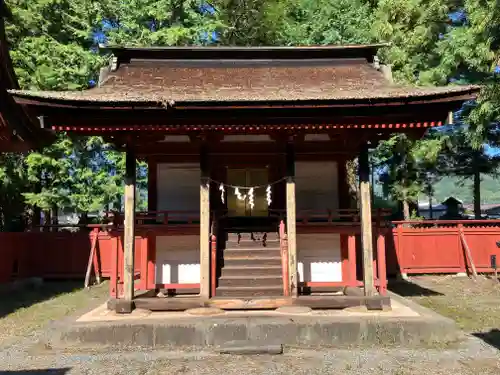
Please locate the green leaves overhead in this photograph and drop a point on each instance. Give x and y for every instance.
(157, 23)
(326, 22)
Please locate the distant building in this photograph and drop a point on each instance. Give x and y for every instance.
(488, 211)
(450, 208)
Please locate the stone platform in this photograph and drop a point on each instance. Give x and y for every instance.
(406, 324)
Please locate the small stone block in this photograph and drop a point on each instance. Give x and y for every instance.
(353, 291)
(124, 307)
(205, 311)
(461, 274)
(249, 348)
(294, 310)
(374, 304)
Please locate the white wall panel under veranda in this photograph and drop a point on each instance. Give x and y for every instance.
(319, 255)
(177, 259)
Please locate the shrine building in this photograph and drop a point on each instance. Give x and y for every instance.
(251, 204)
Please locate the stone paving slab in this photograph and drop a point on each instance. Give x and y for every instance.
(407, 324)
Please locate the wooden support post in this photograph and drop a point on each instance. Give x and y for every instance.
(94, 235)
(291, 220)
(366, 221)
(468, 253)
(204, 225)
(127, 305)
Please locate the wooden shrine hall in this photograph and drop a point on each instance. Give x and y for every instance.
(248, 193)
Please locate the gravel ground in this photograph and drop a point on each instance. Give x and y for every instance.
(475, 357)
(21, 354)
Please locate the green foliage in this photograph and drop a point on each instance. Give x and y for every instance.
(157, 22)
(51, 42)
(406, 165)
(413, 28)
(12, 183)
(305, 22)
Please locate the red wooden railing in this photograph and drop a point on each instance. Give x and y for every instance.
(284, 259)
(332, 216)
(213, 265)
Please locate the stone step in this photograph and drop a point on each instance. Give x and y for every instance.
(251, 253)
(250, 291)
(271, 236)
(252, 244)
(253, 281)
(251, 271)
(241, 260)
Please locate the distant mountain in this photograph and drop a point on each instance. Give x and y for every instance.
(462, 189)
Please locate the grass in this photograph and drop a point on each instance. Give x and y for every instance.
(30, 308)
(474, 305)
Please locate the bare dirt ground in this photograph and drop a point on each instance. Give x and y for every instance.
(475, 306)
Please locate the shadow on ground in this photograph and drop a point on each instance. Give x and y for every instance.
(57, 371)
(408, 289)
(26, 294)
(492, 337)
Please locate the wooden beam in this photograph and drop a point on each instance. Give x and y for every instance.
(204, 224)
(366, 221)
(314, 302)
(290, 220)
(129, 232)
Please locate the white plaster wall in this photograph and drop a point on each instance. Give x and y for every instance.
(178, 187)
(177, 259)
(319, 257)
(316, 185)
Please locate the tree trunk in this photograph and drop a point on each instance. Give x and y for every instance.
(406, 210)
(55, 218)
(84, 220)
(430, 207)
(477, 194)
(46, 220)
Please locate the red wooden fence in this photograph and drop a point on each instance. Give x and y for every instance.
(58, 255)
(432, 247)
(413, 248)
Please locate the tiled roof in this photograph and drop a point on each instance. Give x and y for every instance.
(173, 81)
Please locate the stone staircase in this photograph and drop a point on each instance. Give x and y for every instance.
(251, 267)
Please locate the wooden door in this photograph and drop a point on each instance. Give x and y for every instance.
(247, 177)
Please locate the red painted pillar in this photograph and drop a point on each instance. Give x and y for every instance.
(151, 248)
(381, 265)
(144, 263)
(213, 268)
(113, 285)
(351, 248)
